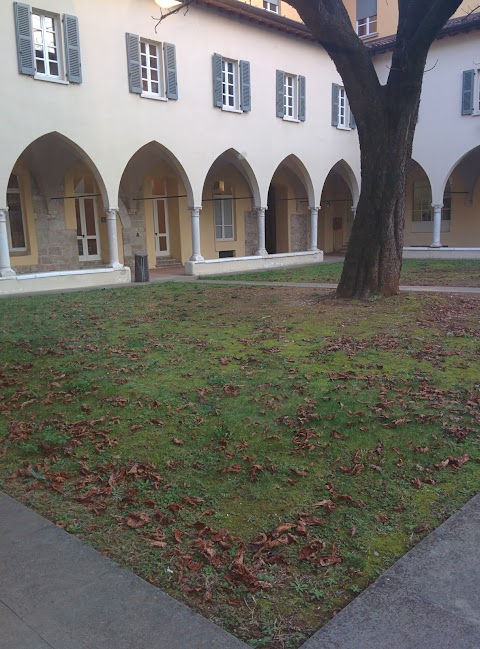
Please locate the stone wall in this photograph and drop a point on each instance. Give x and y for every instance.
(251, 233)
(134, 237)
(298, 232)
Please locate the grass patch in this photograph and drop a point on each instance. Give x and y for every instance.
(415, 272)
(262, 456)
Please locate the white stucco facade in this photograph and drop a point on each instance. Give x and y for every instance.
(181, 177)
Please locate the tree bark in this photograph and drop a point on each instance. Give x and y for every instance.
(386, 117)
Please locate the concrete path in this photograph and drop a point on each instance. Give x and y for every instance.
(430, 599)
(408, 289)
(57, 593)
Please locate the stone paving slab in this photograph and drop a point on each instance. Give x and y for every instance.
(58, 593)
(430, 599)
(15, 634)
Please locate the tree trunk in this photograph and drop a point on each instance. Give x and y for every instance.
(374, 256)
(386, 117)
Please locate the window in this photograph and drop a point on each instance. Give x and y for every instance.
(152, 68)
(231, 84)
(45, 40)
(43, 51)
(271, 6)
(223, 210)
(291, 96)
(17, 241)
(471, 92)
(150, 59)
(366, 17)
(342, 116)
(367, 26)
(422, 211)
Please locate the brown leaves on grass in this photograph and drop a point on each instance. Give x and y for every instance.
(137, 519)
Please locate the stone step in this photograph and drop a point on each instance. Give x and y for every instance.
(161, 262)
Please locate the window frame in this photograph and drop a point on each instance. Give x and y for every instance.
(368, 23)
(343, 123)
(221, 199)
(235, 85)
(290, 91)
(59, 45)
(17, 191)
(271, 6)
(161, 94)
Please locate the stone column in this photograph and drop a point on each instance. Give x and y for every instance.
(354, 212)
(114, 261)
(5, 268)
(261, 251)
(313, 229)
(196, 254)
(437, 225)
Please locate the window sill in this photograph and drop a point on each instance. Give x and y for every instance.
(45, 77)
(225, 240)
(146, 95)
(18, 252)
(228, 109)
(344, 128)
(291, 119)
(367, 36)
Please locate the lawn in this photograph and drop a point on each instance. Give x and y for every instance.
(415, 272)
(261, 453)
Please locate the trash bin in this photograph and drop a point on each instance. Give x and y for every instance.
(141, 268)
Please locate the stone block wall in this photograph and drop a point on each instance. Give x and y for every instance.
(298, 232)
(251, 233)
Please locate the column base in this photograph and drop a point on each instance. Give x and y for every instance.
(436, 245)
(116, 265)
(314, 249)
(261, 253)
(196, 258)
(7, 272)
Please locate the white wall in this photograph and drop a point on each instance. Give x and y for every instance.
(443, 135)
(110, 124)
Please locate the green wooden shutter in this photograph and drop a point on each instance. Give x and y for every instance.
(170, 62)
(467, 92)
(23, 27)
(133, 60)
(245, 93)
(335, 91)
(302, 98)
(72, 49)
(217, 81)
(280, 90)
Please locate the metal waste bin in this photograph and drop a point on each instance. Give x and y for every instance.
(141, 268)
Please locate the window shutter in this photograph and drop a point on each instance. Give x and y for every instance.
(217, 81)
(72, 49)
(467, 92)
(366, 8)
(245, 86)
(353, 124)
(23, 27)
(302, 98)
(335, 90)
(170, 61)
(133, 60)
(280, 93)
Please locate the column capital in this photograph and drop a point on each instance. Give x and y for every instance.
(317, 208)
(260, 211)
(3, 214)
(437, 206)
(195, 211)
(112, 213)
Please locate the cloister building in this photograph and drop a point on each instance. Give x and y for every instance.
(220, 137)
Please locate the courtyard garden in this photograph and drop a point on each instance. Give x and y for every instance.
(260, 453)
(415, 272)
